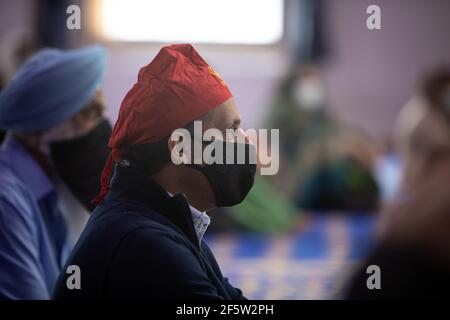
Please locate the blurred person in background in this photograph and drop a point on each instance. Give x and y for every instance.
(326, 165)
(145, 238)
(2, 133)
(413, 250)
(52, 110)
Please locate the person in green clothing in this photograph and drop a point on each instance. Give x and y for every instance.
(327, 165)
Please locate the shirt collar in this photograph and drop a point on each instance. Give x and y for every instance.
(25, 167)
(201, 221)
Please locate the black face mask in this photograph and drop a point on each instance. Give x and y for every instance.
(80, 162)
(230, 182)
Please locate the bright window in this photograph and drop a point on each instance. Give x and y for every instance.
(197, 21)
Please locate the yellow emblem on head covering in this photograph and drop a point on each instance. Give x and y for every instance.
(215, 74)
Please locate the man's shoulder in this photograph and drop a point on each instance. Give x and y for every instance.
(113, 222)
(18, 210)
(130, 216)
(9, 180)
(119, 238)
(14, 193)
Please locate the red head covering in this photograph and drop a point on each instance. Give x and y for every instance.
(177, 87)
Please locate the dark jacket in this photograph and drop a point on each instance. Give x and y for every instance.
(141, 243)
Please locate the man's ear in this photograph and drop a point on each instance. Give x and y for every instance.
(183, 155)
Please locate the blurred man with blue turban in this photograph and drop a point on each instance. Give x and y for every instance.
(53, 113)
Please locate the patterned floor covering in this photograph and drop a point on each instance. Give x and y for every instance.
(313, 263)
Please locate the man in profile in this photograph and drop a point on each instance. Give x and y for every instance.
(144, 240)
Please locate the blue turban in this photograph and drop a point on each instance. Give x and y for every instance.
(50, 87)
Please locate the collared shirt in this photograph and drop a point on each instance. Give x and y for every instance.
(149, 245)
(32, 231)
(201, 221)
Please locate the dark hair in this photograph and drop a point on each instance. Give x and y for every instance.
(151, 157)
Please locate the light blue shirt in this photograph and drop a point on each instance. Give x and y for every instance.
(32, 231)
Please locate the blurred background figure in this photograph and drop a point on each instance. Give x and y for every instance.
(414, 247)
(422, 129)
(310, 68)
(56, 145)
(2, 133)
(327, 165)
(388, 169)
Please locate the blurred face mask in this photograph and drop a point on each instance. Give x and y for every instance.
(79, 161)
(309, 93)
